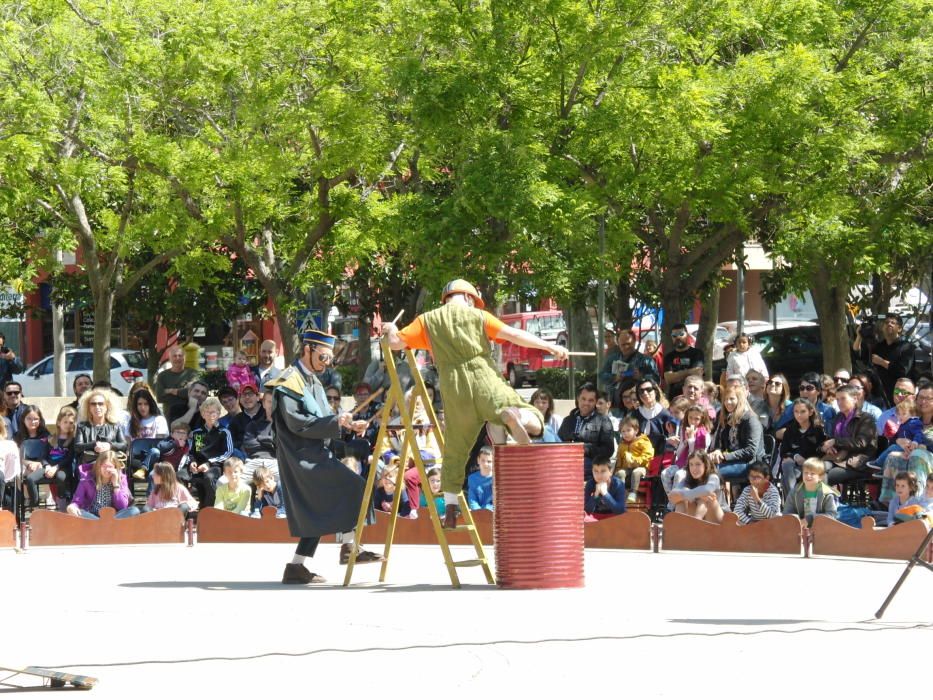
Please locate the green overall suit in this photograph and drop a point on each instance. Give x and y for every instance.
(474, 391)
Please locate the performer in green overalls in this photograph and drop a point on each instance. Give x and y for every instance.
(458, 335)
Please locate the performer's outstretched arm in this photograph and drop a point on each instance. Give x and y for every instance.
(526, 339)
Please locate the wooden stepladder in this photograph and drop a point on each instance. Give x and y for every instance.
(409, 448)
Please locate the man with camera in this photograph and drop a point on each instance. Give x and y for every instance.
(9, 365)
(890, 357)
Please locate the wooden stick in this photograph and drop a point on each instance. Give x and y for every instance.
(398, 316)
(368, 401)
(582, 354)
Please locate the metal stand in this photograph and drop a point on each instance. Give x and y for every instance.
(409, 447)
(917, 558)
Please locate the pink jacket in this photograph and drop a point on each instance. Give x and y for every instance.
(701, 442)
(238, 375)
(87, 492)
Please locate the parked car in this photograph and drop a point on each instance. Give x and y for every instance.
(752, 326)
(720, 338)
(126, 367)
(789, 351)
(519, 364)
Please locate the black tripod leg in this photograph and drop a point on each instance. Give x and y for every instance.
(917, 558)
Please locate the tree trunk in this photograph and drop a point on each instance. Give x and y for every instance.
(707, 333)
(152, 351)
(103, 323)
(622, 316)
(830, 303)
(291, 343)
(364, 354)
(582, 339)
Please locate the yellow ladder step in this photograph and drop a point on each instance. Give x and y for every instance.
(470, 562)
(461, 528)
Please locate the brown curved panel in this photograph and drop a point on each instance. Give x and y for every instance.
(51, 528)
(215, 525)
(832, 537)
(774, 536)
(631, 530)
(7, 529)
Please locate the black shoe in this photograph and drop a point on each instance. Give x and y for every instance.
(298, 574)
(362, 557)
(451, 513)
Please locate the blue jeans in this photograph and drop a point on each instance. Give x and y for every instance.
(125, 513)
(734, 472)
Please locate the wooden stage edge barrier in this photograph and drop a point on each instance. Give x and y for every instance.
(631, 530)
(831, 537)
(51, 528)
(7, 529)
(780, 535)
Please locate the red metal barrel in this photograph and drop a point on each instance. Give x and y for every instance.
(538, 522)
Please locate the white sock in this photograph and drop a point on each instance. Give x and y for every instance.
(348, 537)
(298, 559)
(451, 499)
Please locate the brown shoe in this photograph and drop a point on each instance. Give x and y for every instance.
(298, 574)
(451, 513)
(362, 557)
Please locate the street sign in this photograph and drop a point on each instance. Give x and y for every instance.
(309, 318)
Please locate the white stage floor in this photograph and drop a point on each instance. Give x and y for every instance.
(214, 620)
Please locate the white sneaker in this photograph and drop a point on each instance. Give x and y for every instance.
(632, 497)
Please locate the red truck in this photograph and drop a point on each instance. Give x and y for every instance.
(519, 364)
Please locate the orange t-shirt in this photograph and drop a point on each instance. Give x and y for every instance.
(415, 335)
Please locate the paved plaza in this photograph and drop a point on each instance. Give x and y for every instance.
(213, 619)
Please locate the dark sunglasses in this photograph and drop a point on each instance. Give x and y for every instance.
(807, 387)
(97, 403)
(774, 383)
(12, 393)
(645, 390)
(333, 398)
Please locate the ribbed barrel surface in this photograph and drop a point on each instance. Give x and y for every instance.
(538, 523)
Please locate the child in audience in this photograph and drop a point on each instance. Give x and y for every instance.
(239, 373)
(234, 495)
(802, 439)
(905, 428)
(61, 454)
(387, 491)
(479, 483)
(905, 494)
(603, 494)
(759, 500)
(813, 496)
(604, 408)
(103, 486)
(268, 493)
(210, 447)
(672, 429)
(32, 427)
(634, 455)
(434, 482)
(176, 450)
(694, 434)
(697, 491)
(167, 492)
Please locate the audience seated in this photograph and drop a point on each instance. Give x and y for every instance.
(167, 492)
(99, 428)
(267, 492)
(211, 446)
(603, 493)
(760, 500)
(103, 486)
(697, 491)
(634, 455)
(803, 438)
(812, 496)
(479, 483)
(585, 425)
(234, 494)
(852, 440)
